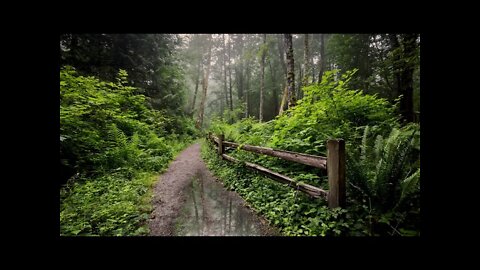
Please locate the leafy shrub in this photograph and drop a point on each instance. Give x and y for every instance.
(330, 110)
(95, 117)
(116, 144)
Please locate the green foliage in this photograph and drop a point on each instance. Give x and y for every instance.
(116, 144)
(111, 205)
(330, 110)
(382, 163)
(153, 67)
(386, 173)
(379, 58)
(97, 115)
(106, 125)
(247, 130)
(292, 212)
(349, 52)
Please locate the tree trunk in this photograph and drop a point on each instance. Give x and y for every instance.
(225, 88)
(262, 78)
(306, 61)
(299, 85)
(274, 90)
(230, 74)
(284, 100)
(196, 86)
(199, 122)
(239, 72)
(221, 107)
(281, 51)
(321, 67)
(246, 92)
(290, 71)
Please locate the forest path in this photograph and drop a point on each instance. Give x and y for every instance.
(188, 201)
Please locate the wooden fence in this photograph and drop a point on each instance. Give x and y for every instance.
(334, 163)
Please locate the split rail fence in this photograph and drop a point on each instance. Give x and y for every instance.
(333, 163)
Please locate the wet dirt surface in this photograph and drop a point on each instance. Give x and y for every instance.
(212, 210)
(189, 201)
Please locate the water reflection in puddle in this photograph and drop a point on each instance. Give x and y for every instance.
(210, 210)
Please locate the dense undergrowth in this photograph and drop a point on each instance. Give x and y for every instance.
(292, 212)
(383, 163)
(114, 145)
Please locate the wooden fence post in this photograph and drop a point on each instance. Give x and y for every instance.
(209, 139)
(221, 148)
(336, 173)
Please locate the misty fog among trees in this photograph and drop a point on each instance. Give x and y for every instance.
(129, 103)
(388, 65)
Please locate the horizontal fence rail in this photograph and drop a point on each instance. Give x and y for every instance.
(314, 161)
(308, 189)
(334, 163)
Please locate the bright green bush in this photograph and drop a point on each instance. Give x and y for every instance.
(247, 130)
(116, 144)
(330, 110)
(105, 125)
(96, 119)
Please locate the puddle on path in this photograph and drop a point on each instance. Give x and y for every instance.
(211, 210)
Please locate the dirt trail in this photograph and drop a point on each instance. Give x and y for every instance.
(175, 197)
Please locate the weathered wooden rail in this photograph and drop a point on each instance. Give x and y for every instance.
(334, 163)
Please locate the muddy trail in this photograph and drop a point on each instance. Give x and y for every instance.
(189, 201)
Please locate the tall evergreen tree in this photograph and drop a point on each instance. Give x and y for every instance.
(290, 71)
(199, 122)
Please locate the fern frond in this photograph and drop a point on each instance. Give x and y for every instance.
(116, 136)
(378, 147)
(409, 185)
(391, 142)
(387, 168)
(363, 146)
